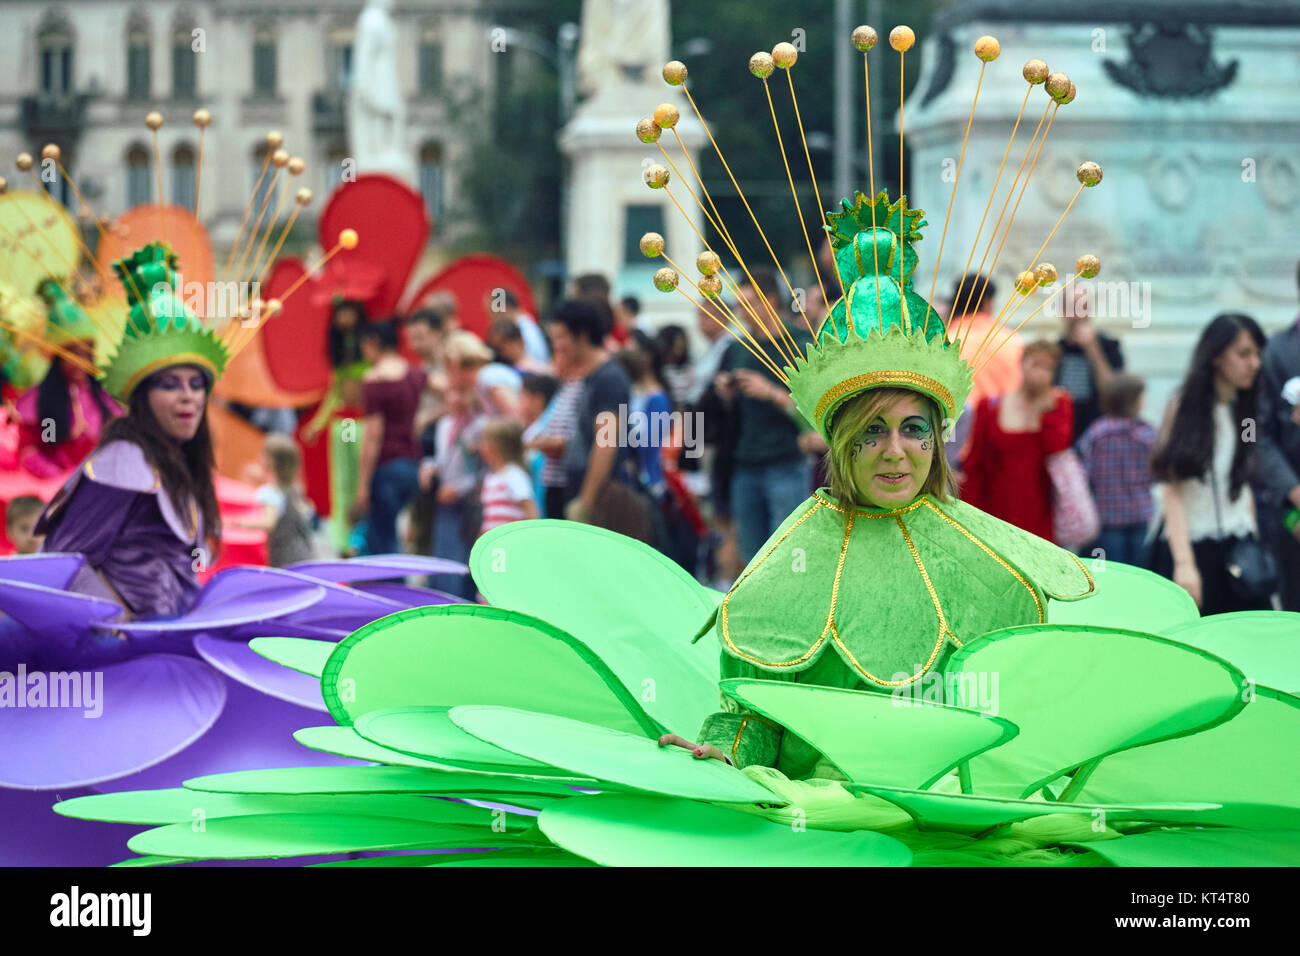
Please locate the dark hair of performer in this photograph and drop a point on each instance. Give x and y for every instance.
(168, 418)
(346, 319)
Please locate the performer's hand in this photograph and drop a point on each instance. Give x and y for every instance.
(724, 385)
(427, 469)
(360, 507)
(447, 495)
(1187, 577)
(701, 751)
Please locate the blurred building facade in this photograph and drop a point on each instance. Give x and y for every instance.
(84, 73)
(1190, 107)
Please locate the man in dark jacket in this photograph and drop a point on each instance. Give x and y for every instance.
(1279, 454)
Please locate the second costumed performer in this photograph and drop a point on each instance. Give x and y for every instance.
(872, 583)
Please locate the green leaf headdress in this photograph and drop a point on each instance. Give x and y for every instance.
(160, 329)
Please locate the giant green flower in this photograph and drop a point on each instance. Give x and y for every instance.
(1056, 744)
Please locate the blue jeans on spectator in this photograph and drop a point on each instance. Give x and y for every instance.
(448, 544)
(1121, 542)
(391, 488)
(762, 496)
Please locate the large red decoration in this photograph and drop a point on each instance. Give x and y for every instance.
(474, 280)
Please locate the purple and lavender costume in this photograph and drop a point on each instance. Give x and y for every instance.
(141, 550)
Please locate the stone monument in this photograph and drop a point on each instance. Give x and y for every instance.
(623, 47)
(1189, 106)
(376, 110)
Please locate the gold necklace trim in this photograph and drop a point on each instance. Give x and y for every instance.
(895, 377)
(866, 514)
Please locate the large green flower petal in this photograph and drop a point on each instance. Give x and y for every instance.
(636, 830)
(1250, 764)
(428, 731)
(1200, 848)
(467, 654)
(969, 813)
(360, 780)
(196, 807)
(310, 834)
(1127, 597)
(630, 604)
(607, 754)
(1079, 693)
(875, 738)
(297, 653)
(1264, 644)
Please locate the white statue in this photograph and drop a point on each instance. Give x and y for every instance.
(623, 41)
(376, 109)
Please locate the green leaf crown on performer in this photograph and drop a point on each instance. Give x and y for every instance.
(875, 335)
(160, 330)
(879, 333)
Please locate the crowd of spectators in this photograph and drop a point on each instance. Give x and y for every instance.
(699, 452)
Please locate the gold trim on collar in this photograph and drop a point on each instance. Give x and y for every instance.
(899, 377)
(830, 628)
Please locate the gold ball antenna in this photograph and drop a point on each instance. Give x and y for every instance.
(652, 245)
(648, 131)
(280, 158)
(666, 115)
(666, 279)
(864, 38)
(987, 48)
(154, 120)
(1087, 266)
(296, 166)
(674, 72)
(784, 55)
(656, 176)
(1089, 173)
(202, 118)
(303, 197)
(1058, 86)
(902, 38)
(762, 65)
(1026, 282)
(51, 151)
(348, 239)
(23, 161)
(708, 262)
(274, 139)
(1045, 273)
(711, 286)
(1036, 71)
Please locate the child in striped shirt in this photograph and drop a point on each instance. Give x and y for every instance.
(507, 490)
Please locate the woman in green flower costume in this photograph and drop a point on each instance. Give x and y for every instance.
(872, 583)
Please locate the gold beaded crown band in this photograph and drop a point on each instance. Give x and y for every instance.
(879, 333)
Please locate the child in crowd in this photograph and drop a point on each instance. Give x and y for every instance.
(20, 519)
(1116, 453)
(535, 405)
(650, 424)
(451, 474)
(507, 490)
(287, 517)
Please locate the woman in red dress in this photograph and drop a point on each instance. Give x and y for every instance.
(1004, 467)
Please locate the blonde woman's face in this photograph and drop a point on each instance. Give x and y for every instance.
(893, 455)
